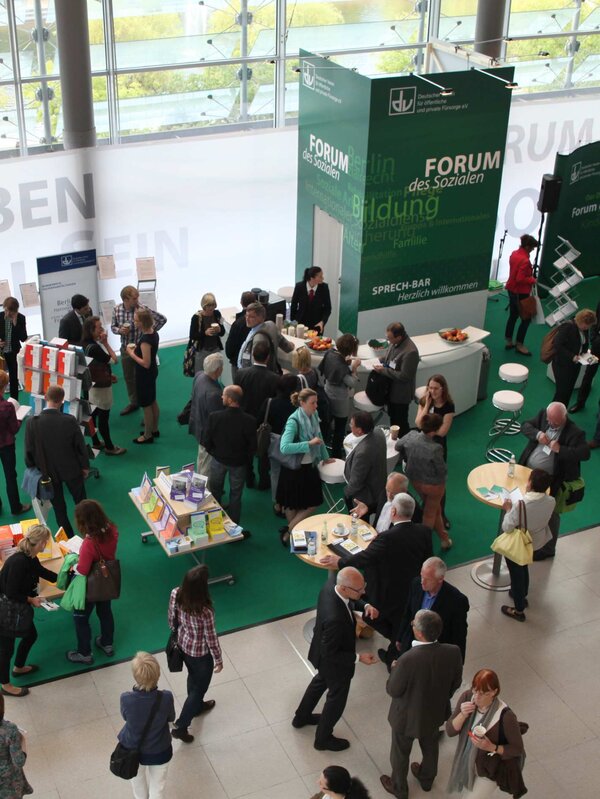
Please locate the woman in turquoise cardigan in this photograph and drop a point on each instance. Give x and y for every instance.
(299, 490)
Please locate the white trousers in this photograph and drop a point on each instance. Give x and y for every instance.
(150, 782)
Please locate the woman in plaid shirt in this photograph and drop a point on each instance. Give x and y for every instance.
(191, 614)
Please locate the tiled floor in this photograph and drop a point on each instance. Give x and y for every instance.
(246, 747)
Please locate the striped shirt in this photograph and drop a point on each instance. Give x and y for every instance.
(196, 634)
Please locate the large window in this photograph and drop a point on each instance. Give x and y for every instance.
(176, 67)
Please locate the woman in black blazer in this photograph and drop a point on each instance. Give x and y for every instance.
(206, 329)
(12, 332)
(572, 340)
(312, 310)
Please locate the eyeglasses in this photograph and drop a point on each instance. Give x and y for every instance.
(357, 590)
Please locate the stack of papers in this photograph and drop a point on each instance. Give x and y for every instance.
(496, 492)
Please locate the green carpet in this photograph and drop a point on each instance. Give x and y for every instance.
(270, 583)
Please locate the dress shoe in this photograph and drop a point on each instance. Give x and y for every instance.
(182, 735)
(25, 508)
(415, 769)
(522, 350)
(577, 406)
(16, 692)
(446, 544)
(144, 440)
(128, 409)
(386, 781)
(206, 707)
(25, 670)
(509, 345)
(513, 613)
(115, 451)
(593, 444)
(312, 719)
(333, 744)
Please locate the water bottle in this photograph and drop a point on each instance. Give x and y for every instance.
(511, 466)
(354, 527)
(312, 544)
(324, 532)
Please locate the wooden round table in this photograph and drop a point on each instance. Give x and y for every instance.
(316, 523)
(492, 574)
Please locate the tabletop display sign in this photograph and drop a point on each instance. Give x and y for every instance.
(170, 529)
(145, 489)
(159, 506)
(149, 506)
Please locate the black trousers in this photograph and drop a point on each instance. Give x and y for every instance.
(9, 461)
(400, 760)
(565, 375)
(519, 583)
(335, 702)
(398, 413)
(11, 368)
(513, 315)
(101, 417)
(586, 383)
(76, 488)
(7, 647)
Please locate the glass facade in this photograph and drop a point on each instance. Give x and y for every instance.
(174, 67)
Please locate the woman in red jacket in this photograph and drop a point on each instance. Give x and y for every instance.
(100, 542)
(518, 285)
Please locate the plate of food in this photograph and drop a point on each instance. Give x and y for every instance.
(453, 335)
(378, 343)
(311, 334)
(319, 344)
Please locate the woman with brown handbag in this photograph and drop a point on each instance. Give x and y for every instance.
(99, 545)
(519, 284)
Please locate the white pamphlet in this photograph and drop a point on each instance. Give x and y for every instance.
(30, 295)
(106, 267)
(146, 268)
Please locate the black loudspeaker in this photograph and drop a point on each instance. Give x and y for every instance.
(549, 194)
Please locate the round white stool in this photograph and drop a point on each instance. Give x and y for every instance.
(286, 293)
(419, 391)
(363, 403)
(514, 373)
(331, 474)
(504, 401)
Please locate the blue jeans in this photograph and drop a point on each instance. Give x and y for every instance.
(216, 483)
(200, 672)
(84, 631)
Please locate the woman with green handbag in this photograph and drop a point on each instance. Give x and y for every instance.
(538, 507)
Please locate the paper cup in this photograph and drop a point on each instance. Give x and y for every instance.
(394, 431)
(479, 731)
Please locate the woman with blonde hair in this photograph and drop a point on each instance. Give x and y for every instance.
(206, 330)
(19, 579)
(155, 749)
(299, 491)
(146, 371)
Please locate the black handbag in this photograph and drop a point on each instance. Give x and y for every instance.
(124, 763)
(172, 650)
(378, 388)
(263, 434)
(16, 618)
(104, 580)
(100, 373)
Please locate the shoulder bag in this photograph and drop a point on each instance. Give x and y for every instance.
(263, 434)
(125, 762)
(528, 307)
(16, 618)
(292, 462)
(189, 358)
(100, 373)
(104, 579)
(35, 481)
(516, 545)
(172, 650)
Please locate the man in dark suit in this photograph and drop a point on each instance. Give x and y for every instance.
(238, 333)
(206, 398)
(230, 439)
(71, 325)
(258, 383)
(430, 591)
(13, 331)
(557, 446)
(420, 684)
(390, 563)
(399, 365)
(54, 443)
(366, 465)
(333, 654)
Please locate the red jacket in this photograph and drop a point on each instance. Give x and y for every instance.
(91, 548)
(520, 279)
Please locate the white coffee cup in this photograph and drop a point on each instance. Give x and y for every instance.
(479, 731)
(394, 431)
(339, 528)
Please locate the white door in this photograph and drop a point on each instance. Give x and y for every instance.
(328, 235)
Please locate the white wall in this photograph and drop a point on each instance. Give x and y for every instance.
(219, 213)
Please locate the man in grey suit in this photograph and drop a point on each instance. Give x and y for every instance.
(366, 465)
(54, 443)
(400, 367)
(421, 684)
(206, 398)
(261, 330)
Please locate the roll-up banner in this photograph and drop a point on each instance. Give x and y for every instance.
(60, 277)
(577, 217)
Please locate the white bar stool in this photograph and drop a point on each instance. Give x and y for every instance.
(514, 373)
(419, 392)
(363, 403)
(504, 401)
(331, 474)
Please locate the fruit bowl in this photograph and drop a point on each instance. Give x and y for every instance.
(453, 335)
(319, 344)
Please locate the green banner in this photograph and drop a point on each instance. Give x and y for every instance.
(413, 176)
(577, 217)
